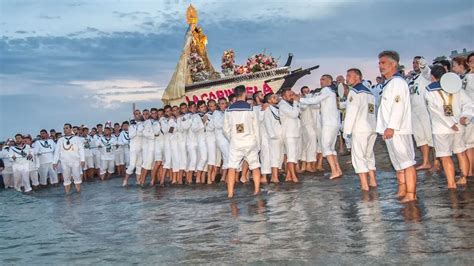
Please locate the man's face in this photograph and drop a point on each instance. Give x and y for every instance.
(222, 105)
(176, 111)
(168, 112)
(107, 132)
(352, 78)
(74, 130)
(154, 114)
(18, 140)
(305, 91)
(94, 131)
(471, 63)
(288, 96)
(387, 66)
(44, 135)
(116, 128)
(203, 108)
(146, 115)
(100, 129)
(125, 127)
(340, 79)
(260, 96)
(325, 82)
(67, 130)
(27, 141)
(212, 106)
(458, 69)
(183, 109)
(85, 132)
(192, 108)
(274, 99)
(416, 65)
(137, 115)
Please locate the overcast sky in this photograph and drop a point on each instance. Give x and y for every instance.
(85, 62)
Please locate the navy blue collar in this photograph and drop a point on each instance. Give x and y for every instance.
(359, 88)
(434, 86)
(240, 106)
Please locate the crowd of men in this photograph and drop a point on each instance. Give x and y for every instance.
(272, 135)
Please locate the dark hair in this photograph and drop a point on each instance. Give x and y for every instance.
(58, 134)
(75, 127)
(302, 88)
(469, 57)
(161, 110)
(268, 95)
(67, 124)
(461, 61)
(200, 103)
(54, 130)
(255, 94)
(167, 107)
(417, 57)
(231, 97)
(99, 125)
(438, 71)
(222, 99)
(191, 104)
(125, 123)
(328, 76)
(18, 134)
(211, 101)
(183, 104)
(445, 63)
(154, 109)
(85, 128)
(145, 110)
(284, 91)
(239, 90)
(43, 130)
(390, 54)
(355, 70)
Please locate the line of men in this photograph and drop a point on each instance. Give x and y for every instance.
(265, 133)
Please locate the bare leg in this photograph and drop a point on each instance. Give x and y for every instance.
(410, 178)
(230, 183)
(448, 167)
(263, 179)
(292, 172)
(256, 180)
(338, 167)
(332, 163)
(162, 176)
(198, 177)
(189, 177)
(464, 166)
(125, 180)
(425, 151)
(224, 175)
(363, 182)
(78, 188)
(470, 157)
(372, 181)
(67, 189)
(245, 172)
(180, 177)
(154, 172)
(402, 186)
(275, 175)
(319, 163)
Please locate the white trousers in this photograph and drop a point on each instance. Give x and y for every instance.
(107, 166)
(96, 156)
(46, 170)
(126, 155)
(309, 144)
(175, 155)
(192, 156)
(469, 136)
(148, 150)
(119, 156)
(34, 177)
(328, 140)
(183, 160)
(223, 146)
(21, 176)
(8, 179)
(401, 151)
(167, 154)
(362, 153)
(422, 128)
(135, 161)
(211, 150)
(276, 152)
(265, 164)
(202, 154)
(447, 144)
(71, 170)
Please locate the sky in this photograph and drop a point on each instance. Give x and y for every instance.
(86, 62)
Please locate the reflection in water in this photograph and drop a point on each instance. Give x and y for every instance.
(315, 222)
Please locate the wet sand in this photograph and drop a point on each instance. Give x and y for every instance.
(317, 221)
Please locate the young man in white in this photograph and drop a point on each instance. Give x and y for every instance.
(124, 141)
(330, 122)
(136, 135)
(70, 152)
(309, 136)
(89, 154)
(44, 149)
(20, 155)
(221, 140)
(118, 150)
(419, 79)
(159, 146)
(182, 135)
(360, 123)
(395, 124)
(242, 129)
(211, 142)
(446, 110)
(191, 142)
(291, 128)
(148, 145)
(274, 131)
(198, 128)
(7, 172)
(106, 145)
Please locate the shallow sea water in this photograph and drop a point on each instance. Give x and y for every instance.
(317, 221)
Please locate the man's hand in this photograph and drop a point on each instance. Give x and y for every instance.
(464, 121)
(388, 133)
(455, 127)
(204, 118)
(83, 163)
(422, 63)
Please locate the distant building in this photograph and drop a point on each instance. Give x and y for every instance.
(464, 53)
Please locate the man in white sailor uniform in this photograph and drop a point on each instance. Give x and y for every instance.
(135, 132)
(394, 122)
(124, 141)
(44, 149)
(330, 122)
(20, 155)
(419, 79)
(360, 123)
(221, 140)
(446, 106)
(88, 153)
(96, 151)
(174, 145)
(291, 128)
(106, 145)
(242, 129)
(274, 131)
(182, 135)
(265, 166)
(148, 143)
(118, 150)
(211, 142)
(70, 151)
(199, 128)
(191, 141)
(7, 172)
(159, 136)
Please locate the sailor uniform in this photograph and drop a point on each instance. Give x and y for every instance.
(107, 155)
(70, 152)
(274, 131)
(199, 129)
(95, 151)
(159, 140)
(182, 139)
(135, 132)
(395, 113)
(148, 144)
(21, 167)
(360, 123)
(309, 136)
(118, 151)
(191, 142)
(290, 125)
(468, 86)
(316, 109)
(174, 145)
(210, 140)
(124, 141)
(88, 152)
(420, 118)
(242, 129)
(265, 164)
(7, 172)
(221, 140)
(446, 140)
(44, 149)
(329, 119)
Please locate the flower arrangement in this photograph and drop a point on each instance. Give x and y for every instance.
(261, 62)
(198, 68)
(228, 62)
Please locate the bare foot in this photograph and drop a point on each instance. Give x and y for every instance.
(423, 167)
(334, 176)
(256, 192)
(275, 181)
(295, 180)
(230, 195)
(401, 193)
(409, 197)
(462, 181)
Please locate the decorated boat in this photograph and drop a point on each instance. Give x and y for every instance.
(195, 78)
